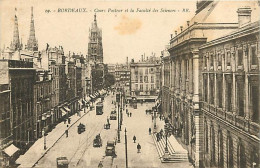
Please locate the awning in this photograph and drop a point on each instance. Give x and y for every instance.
(63, 112)
(66, 108)
(10, 150)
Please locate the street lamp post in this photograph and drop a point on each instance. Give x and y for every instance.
(154, 113)
(118, 126)
(166, 155)
(126, 160)
(44, 139)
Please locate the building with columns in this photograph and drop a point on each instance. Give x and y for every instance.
(230, 96)
(182, 89)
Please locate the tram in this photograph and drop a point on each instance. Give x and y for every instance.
(99, 108)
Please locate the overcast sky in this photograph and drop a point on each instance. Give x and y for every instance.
(124, 33)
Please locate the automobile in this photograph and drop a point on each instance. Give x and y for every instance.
(62, 162)
(81, 128)
(110, 149)
(97, 141)
(113, 115)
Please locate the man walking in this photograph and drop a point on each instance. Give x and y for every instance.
(138, 148)
(67, 133)
(134, 138)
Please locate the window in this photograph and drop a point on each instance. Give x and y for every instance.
(212, 89)
(146, 88)
(152, 79)
(146, 79)
(211, 60)
(220, 88)
(136, 86)
(253, 55)
(151, 70)
(205, 88)
(141, 87)
(212, 147)
(219, 59)
(228, 58)
(255, 103)
(240, 57)
(229, 152)
(141, 79)
(146, 71)
(240, 96)
(152, 86)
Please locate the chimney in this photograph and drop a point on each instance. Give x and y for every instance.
(244, 16)
(181, 28)
(175, 33)
(171, 35)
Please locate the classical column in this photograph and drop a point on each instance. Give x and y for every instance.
(199, 133)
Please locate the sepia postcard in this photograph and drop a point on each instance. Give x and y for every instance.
(129, 84)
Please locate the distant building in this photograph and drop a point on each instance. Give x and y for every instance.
(111, 68)
(122, 78)
(144, 79)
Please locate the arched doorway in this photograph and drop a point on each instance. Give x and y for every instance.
(220, 149)
(241, 157)
(230, 163)
(212, 145)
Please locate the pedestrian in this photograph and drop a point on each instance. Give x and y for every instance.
(160, 117)
(134, 138)
(100, 164)
(138, 148)
(67, 133)
(64, 121)
(69, 120)
(127, 114)
(107, 121)
(157, 137)
(130, 114)
(150, 131)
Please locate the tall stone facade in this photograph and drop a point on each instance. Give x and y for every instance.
(182, 90)
(95, 47)
(230, 97)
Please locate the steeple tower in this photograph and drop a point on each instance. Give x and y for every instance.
(15, 45)
(95, 48)
(32, 44)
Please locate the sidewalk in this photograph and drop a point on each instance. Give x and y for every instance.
(36, 151)
(176, 151)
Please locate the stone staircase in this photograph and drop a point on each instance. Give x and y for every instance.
(174, 156)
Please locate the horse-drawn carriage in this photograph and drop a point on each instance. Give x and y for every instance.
(81, 128)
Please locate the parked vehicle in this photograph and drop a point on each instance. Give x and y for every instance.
(99, 108)
(81, 128)
(62, 162)
(110, 148)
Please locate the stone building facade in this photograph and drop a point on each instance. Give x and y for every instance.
(230, 97)
(182, 90)
(144, 79)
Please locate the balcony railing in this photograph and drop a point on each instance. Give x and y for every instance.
(239, 121)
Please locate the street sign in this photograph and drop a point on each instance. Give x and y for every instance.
(117, 97)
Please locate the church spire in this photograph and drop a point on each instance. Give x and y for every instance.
(32, 43)
(16, 41)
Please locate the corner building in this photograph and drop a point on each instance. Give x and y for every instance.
(230, 97)
(182, 89)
